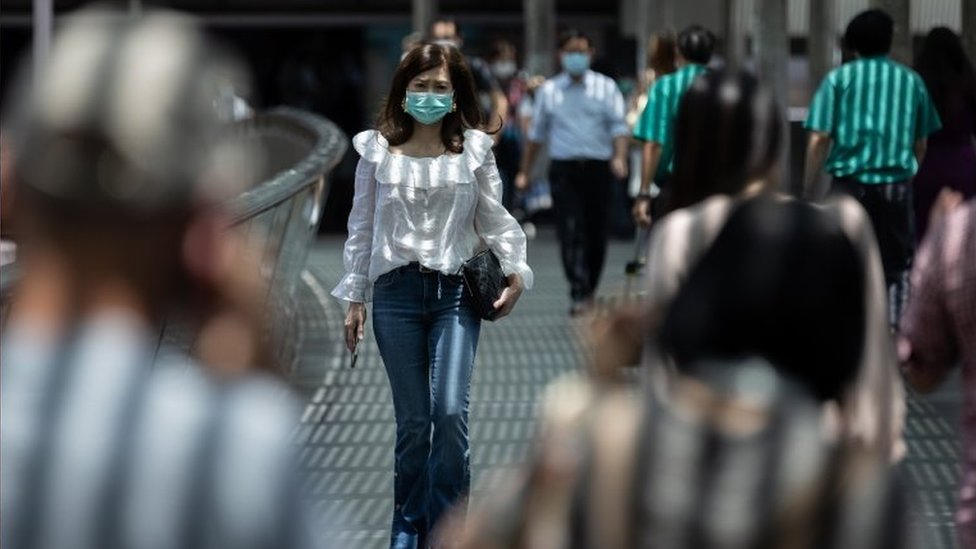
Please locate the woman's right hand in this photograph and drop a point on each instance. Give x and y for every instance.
(355, 325)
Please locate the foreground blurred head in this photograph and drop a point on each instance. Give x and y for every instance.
(119, 149)
(727, 135)
(781, 282)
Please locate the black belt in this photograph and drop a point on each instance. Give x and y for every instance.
(415, 265)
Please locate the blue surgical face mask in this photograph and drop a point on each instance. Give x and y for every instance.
(428, 108)
(576, 63)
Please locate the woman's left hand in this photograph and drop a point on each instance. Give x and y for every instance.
(510, 296)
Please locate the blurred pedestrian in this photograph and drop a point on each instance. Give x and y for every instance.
(730, 454)
(428, 197)
(660, 62)
(491, 96)
(579, 115)
(8, 249)
(503, 60)
(939, 329)
(873, 116)
(537, 195)
(410, 42)
(110, 440)
(656, 126)
(743, 156)
(950, 157)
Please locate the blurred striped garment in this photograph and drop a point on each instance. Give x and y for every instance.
(717, 470)
(744, 467)
(103, 450)
(874, 110)
(656, 122)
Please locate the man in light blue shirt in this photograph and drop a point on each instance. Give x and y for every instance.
(580, 114)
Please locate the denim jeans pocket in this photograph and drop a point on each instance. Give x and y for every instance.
(387, 278)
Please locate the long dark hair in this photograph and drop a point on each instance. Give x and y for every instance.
(397, 126)
(660, 53)
(946, 70)
(781, 278)
(727, 133)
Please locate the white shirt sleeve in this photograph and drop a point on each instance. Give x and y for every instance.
(539, 130)
(617, 119)
(497, 227)
(355, 285)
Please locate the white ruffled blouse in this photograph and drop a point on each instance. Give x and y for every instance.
(437, 211)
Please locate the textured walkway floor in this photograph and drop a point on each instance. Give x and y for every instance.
(348, 429)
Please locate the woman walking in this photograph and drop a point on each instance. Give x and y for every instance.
(950, 157)
(729, 117)
(427, 198)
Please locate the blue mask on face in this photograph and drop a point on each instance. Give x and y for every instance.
(428, 108)
(576, 63)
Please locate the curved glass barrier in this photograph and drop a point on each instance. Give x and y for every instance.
(279, 216)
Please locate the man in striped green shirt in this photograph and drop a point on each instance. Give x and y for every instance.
(656, 124)
(868, 124)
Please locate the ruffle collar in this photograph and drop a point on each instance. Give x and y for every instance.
(437, 171)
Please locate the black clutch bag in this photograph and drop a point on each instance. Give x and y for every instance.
(485, 281)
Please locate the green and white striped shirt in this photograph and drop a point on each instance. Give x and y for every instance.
(874, 110)
(656, 123)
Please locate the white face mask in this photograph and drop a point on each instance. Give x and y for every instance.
(447, 42)
(504, 69)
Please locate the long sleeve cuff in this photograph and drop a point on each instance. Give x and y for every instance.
(354, 287)
(520, 268)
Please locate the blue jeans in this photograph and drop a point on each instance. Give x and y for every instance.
(427, 332)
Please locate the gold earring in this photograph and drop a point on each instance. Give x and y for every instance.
(403, 104)
(453, 106)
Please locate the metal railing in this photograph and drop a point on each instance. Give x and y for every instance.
(280, 215)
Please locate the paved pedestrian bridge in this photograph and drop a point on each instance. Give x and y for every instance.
(347, 431)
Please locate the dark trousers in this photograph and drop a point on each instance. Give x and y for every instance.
(581, 191)
(889, 206)
(661, 205)
(508, 154)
